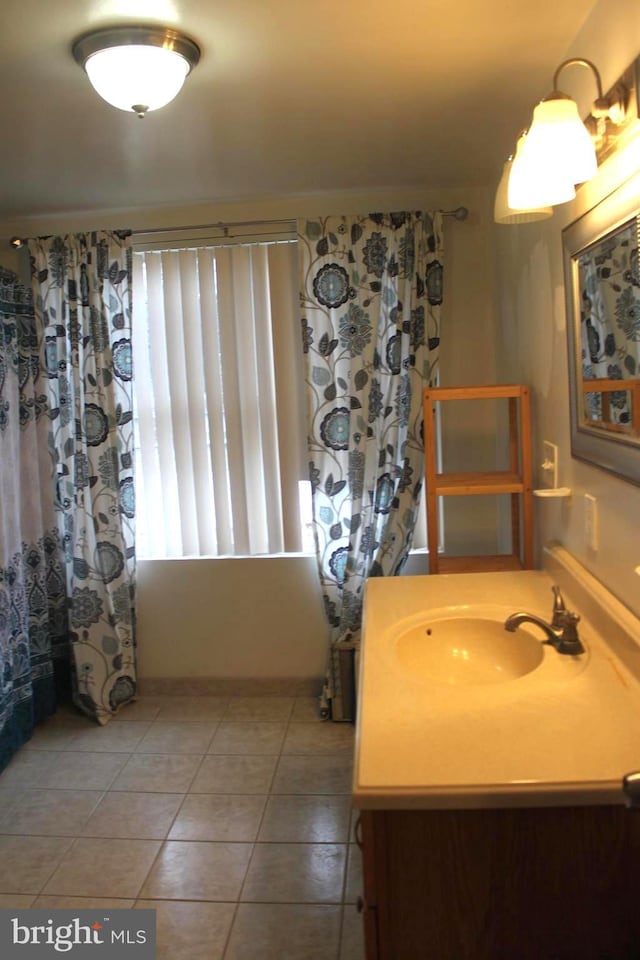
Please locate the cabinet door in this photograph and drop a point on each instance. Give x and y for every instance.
(368, 838)
(554, 883)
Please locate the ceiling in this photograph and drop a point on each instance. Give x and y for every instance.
(290, 97)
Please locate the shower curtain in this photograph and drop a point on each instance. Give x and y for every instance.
(82, 301)
(34, 640)
(67, 510)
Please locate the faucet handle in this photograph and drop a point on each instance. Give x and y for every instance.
(567, 626)
(559, 608)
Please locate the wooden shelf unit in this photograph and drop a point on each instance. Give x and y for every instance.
(516, 481)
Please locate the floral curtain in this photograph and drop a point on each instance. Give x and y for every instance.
(82, 299)
(609, 281)
(34, 649)
(371, 290)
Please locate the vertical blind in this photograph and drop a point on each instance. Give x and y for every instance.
(220, 403)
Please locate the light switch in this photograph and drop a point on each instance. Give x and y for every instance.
(591, 521)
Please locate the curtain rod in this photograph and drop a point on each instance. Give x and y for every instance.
(460, 213)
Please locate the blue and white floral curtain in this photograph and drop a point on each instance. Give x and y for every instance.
(609, 276)
(371, 294)
(82, 300)
(34, 642)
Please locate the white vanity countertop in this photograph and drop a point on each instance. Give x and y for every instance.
(563, 734)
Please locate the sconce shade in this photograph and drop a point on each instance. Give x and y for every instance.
(503, 213)
(137, 68)
(557, 153)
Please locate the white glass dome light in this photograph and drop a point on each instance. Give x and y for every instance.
(502, 211)
(134, 68)
(557, 153)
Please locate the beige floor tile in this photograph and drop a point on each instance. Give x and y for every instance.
(26, 863)
(313, 775)
(354, 882)
(54, 813)
(103, 868)
(259, 708)
(274, 931)
(306, 710)
(82, 771)
(295, 873)
(249, 738)
(309, 819)
(9, 796)
(27, 767)
(319, 738)
(240, 774)
(352, 939)
(82, 903)
(218, 817)
(197, 871)
(192, 708)
(52, 736)
(157, 773)
(120, 737)
(144, 708)
(190, 930)
(177, 737)
(144, 816)
(15, 901)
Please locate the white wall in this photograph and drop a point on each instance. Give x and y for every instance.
(230, 618)
(532, 336)
(263, 617)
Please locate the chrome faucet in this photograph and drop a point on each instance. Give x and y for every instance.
(561, 633)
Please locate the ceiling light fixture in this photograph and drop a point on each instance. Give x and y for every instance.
(136, 68)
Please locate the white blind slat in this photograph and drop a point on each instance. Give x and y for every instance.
(203, 519)
(170, 513)
(232, 399)
(149, 534)
(215, 405)
(289, 383)
(251, 411)
(177, 373)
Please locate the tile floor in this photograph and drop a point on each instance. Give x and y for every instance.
(231, 817)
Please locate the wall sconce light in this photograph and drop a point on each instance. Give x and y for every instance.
(502, 211)
(138, 68)
(558, 150)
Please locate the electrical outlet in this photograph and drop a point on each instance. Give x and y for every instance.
(591, 521)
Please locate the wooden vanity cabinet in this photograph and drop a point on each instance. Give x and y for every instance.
(540, 883)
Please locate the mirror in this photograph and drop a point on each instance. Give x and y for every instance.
(602, 280)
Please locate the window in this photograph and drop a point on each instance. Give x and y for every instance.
(221, 463)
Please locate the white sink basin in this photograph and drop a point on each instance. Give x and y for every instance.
(468, 648)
